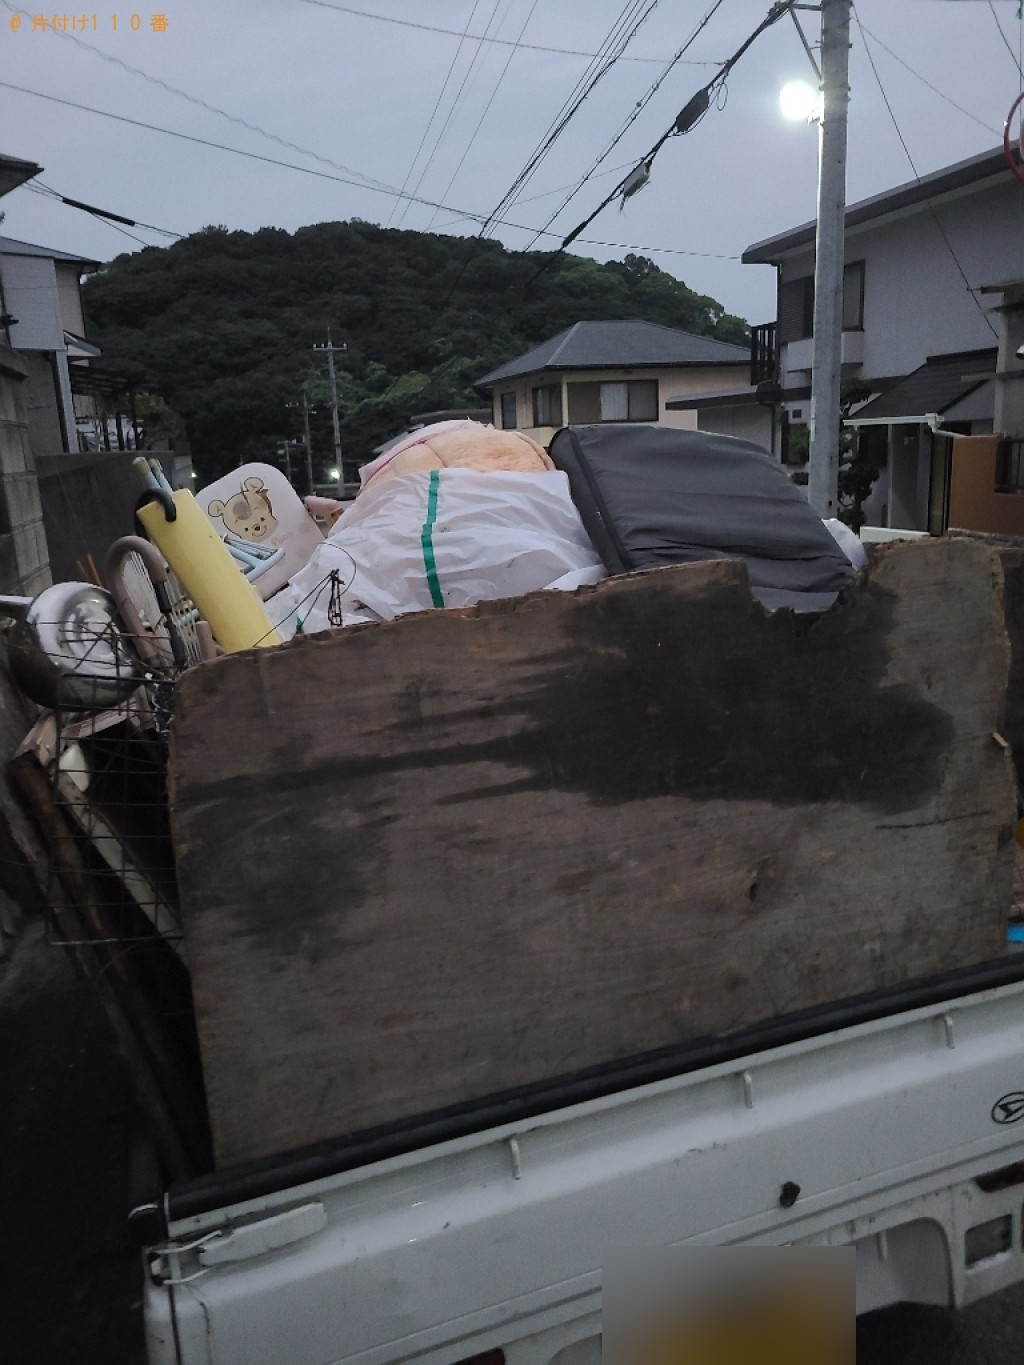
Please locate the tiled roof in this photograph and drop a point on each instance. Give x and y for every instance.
(9, 247)
(619, 345)
(933, 387)
(989, 166)
(14, 172)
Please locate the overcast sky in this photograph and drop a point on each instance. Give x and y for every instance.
(360, 92)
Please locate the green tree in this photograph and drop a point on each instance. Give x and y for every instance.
(222, 323)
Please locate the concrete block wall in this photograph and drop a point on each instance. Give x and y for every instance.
(24, 560)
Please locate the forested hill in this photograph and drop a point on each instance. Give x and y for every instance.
(222, 325)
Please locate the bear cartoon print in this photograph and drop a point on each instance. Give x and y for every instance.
(248, 513)
(255, 505)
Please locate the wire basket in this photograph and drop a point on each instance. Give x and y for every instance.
(112, 860)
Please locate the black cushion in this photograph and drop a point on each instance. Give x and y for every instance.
(651, 496)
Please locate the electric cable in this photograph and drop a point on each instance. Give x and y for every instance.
(48, 191)
(1006, 42)
(612, 48)
(466, 78)
(924, 81)
(486, 110)
(219, 146)
(545, 194)
(454, 33)
(430, 121)
(618, 38)
(341, 180)
(104, 217)
(204, 104)
(634, 114)
(917, 177)
(686, 120)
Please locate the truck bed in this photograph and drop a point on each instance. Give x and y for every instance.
(890, 1125)
(441, 859)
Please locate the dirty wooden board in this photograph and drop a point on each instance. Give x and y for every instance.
(426, 861)
(1013, 602)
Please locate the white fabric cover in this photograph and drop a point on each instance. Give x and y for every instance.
(493, 535)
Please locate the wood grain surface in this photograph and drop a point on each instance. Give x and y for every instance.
(426, 861)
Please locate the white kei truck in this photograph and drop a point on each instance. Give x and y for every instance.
(631, 917)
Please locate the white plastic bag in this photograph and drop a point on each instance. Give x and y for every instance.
(847, 540)
(443, 538)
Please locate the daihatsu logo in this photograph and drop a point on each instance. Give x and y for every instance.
(1009, 1108)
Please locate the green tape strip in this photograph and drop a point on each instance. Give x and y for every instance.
(427, 541)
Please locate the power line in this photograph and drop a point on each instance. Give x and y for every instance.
(201, 103)
(614, 44)
(658, 250)
(544, 194)
(611, 50)
(104, 217)
(105, 214)
(924, 81)
(478, 37)
(686, 120)
(634, 114)
(917, 177)
(220, 146)
(433, 114)
(466, 76)
(1006, 42)
(486, 110)
(324, 175)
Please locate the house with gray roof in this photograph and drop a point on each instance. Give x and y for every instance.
(918, 326)
(628, 371)
(41, 300)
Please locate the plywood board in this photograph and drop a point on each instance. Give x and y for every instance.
(426, 861)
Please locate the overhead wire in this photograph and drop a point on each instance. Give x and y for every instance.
(686, 120)
(430, 121)
(321, 175)
(633, 115)
(103, 217)
(454, 33)
(925, 81)
(1006, 42)
(630, 20)
(903, 142)
(486, 110)
(105, 214)
(209, 142)
(203, 104)
(467, 77)
(544, 194)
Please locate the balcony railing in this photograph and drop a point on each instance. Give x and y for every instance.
(764, 354)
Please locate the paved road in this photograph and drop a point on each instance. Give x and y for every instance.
(71, 1284)
(989, 1333)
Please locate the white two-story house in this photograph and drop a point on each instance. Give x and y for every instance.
(918, 324)
(627, 371)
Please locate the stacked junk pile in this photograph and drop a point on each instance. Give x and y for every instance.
(450, 516)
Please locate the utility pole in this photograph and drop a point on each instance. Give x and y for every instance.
(330, 348)
(823, 479)
(285, 449)
(309, 448)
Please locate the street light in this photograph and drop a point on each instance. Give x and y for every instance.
(800, 102)
(333, 473)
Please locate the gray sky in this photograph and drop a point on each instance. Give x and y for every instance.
(359, 92)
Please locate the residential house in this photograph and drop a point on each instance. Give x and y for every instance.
(64, 496)
(629, 371)
(40, 294)
(916, 323)
(24, 563)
